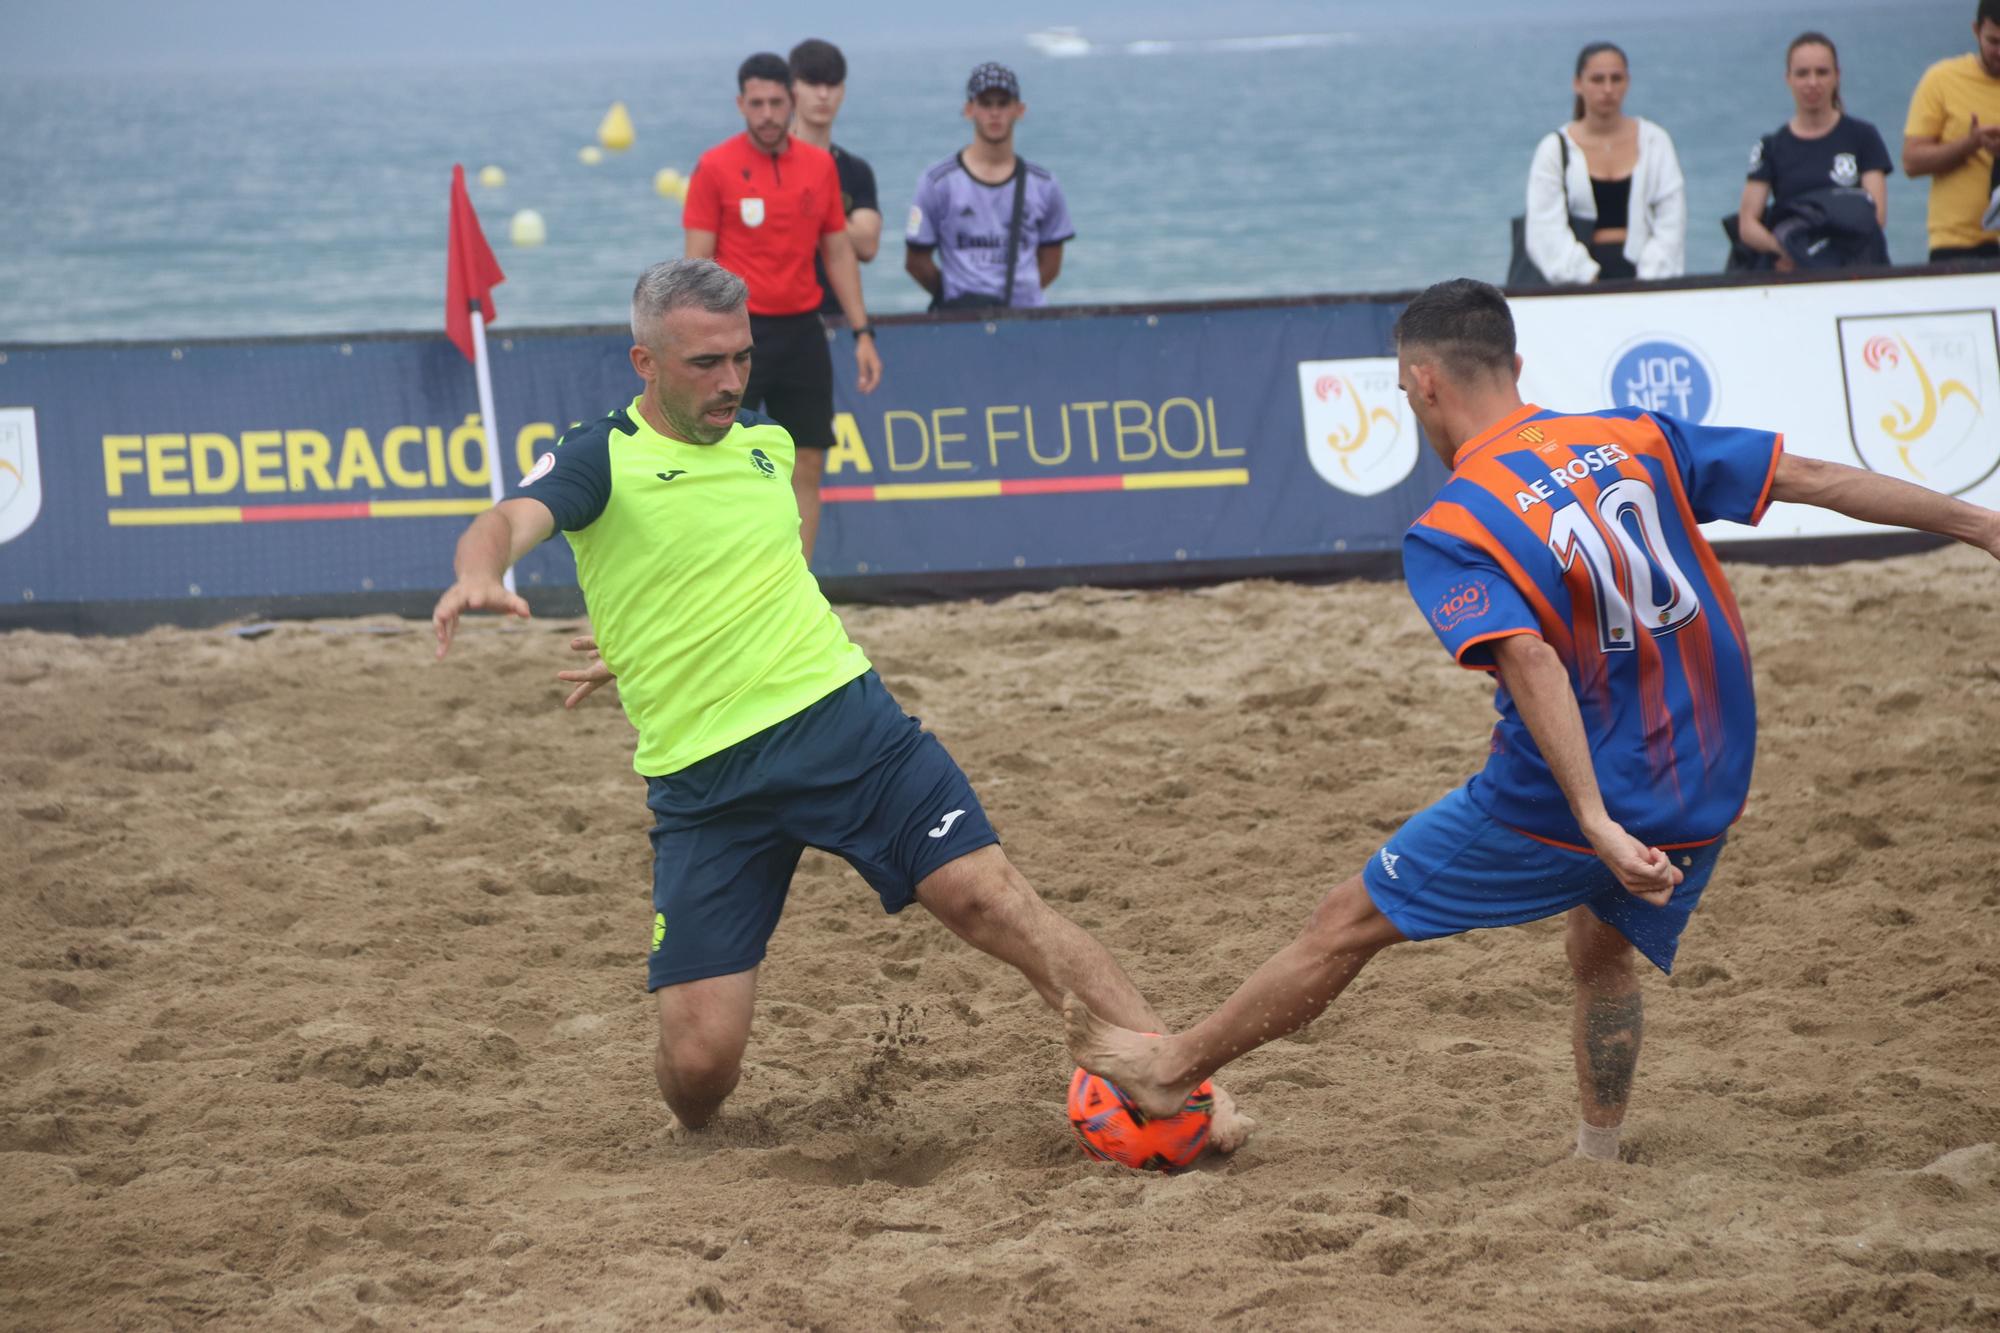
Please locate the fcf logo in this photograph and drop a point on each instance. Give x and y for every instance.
(1920, 389)
(20, 472)
(1359, 435)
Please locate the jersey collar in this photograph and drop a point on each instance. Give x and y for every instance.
(1492, 433)
(750, 145)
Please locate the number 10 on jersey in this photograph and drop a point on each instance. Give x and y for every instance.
(1624, 553)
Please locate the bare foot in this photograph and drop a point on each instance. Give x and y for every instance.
(1129, 1059)
(1230, 1129)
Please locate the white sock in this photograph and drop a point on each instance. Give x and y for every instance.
(1599, 1145)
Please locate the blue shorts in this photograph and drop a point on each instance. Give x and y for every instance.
(853, 775)
(1454, 868)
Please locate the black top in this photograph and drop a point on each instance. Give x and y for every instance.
(1792, 166)
(1614, 202)
(857, 190)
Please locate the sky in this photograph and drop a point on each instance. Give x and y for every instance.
(63, 36)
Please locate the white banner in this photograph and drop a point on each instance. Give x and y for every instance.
(1898, 375)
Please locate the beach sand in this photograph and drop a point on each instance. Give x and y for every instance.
(322, 994)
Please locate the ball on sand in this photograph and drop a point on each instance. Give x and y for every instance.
(527, 228)
(492, 177)
(1112, 1129)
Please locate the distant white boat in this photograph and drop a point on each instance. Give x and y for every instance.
(1060, 42)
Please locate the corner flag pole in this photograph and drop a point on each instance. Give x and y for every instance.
(483, 371)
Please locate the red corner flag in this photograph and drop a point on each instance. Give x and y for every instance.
(471, 272)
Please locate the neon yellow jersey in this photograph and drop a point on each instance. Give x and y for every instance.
(697, 588)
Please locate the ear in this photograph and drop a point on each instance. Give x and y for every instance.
(1020, 108)
(1518, 363)
(1424, 375)
(642, 362)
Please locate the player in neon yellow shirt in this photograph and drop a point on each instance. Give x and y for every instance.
(762, 728)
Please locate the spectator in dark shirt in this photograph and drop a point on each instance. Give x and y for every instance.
(819, 87)
(1823, 174)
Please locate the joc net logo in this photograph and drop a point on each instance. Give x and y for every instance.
(1661, 374)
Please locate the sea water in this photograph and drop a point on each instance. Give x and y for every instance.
(243, 203)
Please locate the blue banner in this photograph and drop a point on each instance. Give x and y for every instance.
(1015, 449)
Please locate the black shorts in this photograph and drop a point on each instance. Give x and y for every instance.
(791, 376)
(853, 775)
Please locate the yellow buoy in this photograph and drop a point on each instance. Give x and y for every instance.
(590, 155)
(492, 177)
(527, 228)
(615, 131)
(667, 183)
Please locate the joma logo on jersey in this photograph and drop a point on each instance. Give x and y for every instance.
(1918, 390)
(1462, 602)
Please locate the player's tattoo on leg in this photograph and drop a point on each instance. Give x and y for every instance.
(1612, 1027)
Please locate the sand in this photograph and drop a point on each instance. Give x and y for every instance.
(322, 1005)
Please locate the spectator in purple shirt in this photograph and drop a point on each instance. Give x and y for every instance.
(988, 226)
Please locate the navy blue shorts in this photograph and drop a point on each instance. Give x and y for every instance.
(1454, 868)
(853, 775)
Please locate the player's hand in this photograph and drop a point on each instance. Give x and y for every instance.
(586, 678)
(1647, 873)
(475, 594)
(869, 363)
(1985, 136)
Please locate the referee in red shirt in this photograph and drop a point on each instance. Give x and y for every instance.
(761, 205)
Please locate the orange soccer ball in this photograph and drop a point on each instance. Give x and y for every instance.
(1111, 1129)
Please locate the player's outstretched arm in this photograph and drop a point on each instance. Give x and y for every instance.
(1539, 682)
(487, 550)
(1874, 498)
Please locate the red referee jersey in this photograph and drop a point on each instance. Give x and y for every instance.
(768, 211)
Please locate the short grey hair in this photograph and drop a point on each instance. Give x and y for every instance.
(677, 283)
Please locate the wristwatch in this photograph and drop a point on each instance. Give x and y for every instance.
(863, 332)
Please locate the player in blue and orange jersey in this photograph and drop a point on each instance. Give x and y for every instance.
(1564, 555)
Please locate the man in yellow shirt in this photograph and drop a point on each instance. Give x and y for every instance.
(1953, 134)
(762, 728)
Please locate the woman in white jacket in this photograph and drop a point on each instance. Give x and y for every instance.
(1605, 194)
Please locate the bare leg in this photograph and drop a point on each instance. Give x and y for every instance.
(990, 905)
(704, 1028)
(807, 466)
(1609, 1022)
(1290, 990)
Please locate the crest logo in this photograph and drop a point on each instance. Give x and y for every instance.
(1921, 394)
(1461, 602)
(752, 211)
(20, 472)
(1359, 436)
(1660, 374)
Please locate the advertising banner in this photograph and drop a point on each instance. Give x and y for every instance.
(1009, 452)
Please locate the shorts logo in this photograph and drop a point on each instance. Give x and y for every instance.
(20, 472)
(751, 211)
(1661, 374)
(543, 466)
(1358, 432)
(1465, 601)
(945, 827)
(1918, 387)
(1845, 170)
(762, 462)
(1389, 860)
(659, 930)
